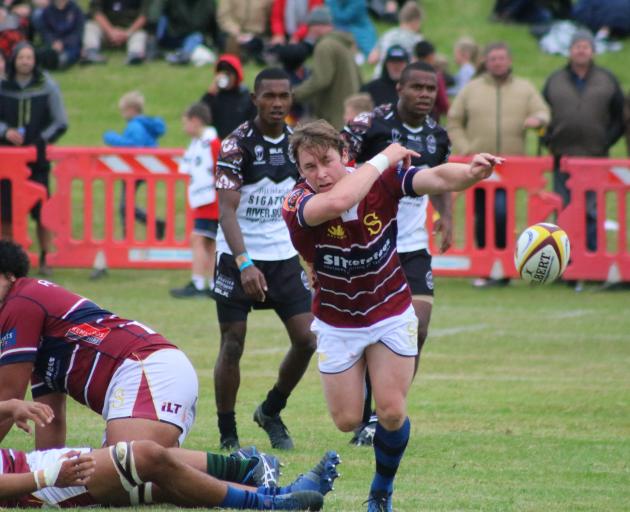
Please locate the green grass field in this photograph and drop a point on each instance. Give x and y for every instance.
(523, 399)
(522, 402)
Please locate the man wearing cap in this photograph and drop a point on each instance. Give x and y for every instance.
(335, 75)
(586, 116)
(383, 89)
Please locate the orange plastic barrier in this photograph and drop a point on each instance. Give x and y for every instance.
(523, 180)
(14, 174)
(609, 182)
(85, 221)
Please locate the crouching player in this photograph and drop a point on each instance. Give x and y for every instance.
(143, 472)
(343, 223)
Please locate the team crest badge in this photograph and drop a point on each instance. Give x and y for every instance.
(395, 135)
(291, 202)
(429, 280)
(431, 144)
(336, 232)
(259, 152)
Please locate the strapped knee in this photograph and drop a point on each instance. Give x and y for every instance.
(142, 494)
(122, 456)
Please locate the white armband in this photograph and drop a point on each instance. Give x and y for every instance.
(380, 161)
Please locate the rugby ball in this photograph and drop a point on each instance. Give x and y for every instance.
(542, 253)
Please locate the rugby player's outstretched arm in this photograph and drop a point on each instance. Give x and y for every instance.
(452, 177)
(353, 187)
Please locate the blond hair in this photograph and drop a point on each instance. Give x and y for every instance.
(133, 99)
(317, 137)
(361, 102)
(409, 12)
(467, 46)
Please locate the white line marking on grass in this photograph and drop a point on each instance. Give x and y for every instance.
(573, 313)
(452, 331)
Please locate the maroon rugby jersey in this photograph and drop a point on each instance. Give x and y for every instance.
(75, 345)
(359, 280)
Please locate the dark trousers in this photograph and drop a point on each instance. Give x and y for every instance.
(500, 218)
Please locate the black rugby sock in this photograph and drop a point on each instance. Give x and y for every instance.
(227, 423)
(276, 401)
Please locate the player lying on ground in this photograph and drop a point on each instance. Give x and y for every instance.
(343, 223)
(65, 344)
(142, 472)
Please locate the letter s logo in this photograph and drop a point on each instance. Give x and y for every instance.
(372, 223)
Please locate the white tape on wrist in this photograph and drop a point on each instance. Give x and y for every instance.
(380, 161)
(51, 473)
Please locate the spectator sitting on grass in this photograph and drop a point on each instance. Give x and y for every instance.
(118, 23)
(141, 131)
(406, 34)
(60, 26)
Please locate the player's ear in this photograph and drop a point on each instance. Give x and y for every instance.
(344, 156)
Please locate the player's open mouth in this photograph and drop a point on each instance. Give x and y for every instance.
(326, 187)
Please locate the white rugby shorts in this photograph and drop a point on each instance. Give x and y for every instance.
(51, 496)
(339, 348)
(162, 387)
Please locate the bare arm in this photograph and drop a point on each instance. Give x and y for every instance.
(14, 379)
(20, 412)
(253, 280)
(352, 188)
(451, 177)
(53, 435)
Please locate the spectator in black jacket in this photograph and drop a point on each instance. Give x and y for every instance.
(383, 89)
(31, 114)
(227, 98)
(60, 26)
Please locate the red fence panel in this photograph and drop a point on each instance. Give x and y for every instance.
(14, 179)
(517, 175)
(116, 169)
(608, 182)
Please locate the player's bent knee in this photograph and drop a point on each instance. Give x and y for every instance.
(232, 348)
(391, 417)
(347, 422)
(151, 459)
(306, 343)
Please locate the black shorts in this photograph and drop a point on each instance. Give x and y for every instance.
(288, 291)
(417, 268)
(40, 173)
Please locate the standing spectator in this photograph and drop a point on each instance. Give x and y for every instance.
(288, 19)
(28, 90)
(352, 16)
(228, 98)
(199, 163)
(586, 117)
(425, 52)
(141, 131)
(465, 52)
(182, 26)
(335, 75)
(61, 28)
(492, 113)
(406, 34)
(355, 105)
(258, 268)
(383, 89)
(243, 24)
(118, 23)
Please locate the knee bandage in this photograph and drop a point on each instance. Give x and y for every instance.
(142, 494)
(122, 456)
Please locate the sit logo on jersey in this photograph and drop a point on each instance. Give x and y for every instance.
(336, 232)
(373, 223)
